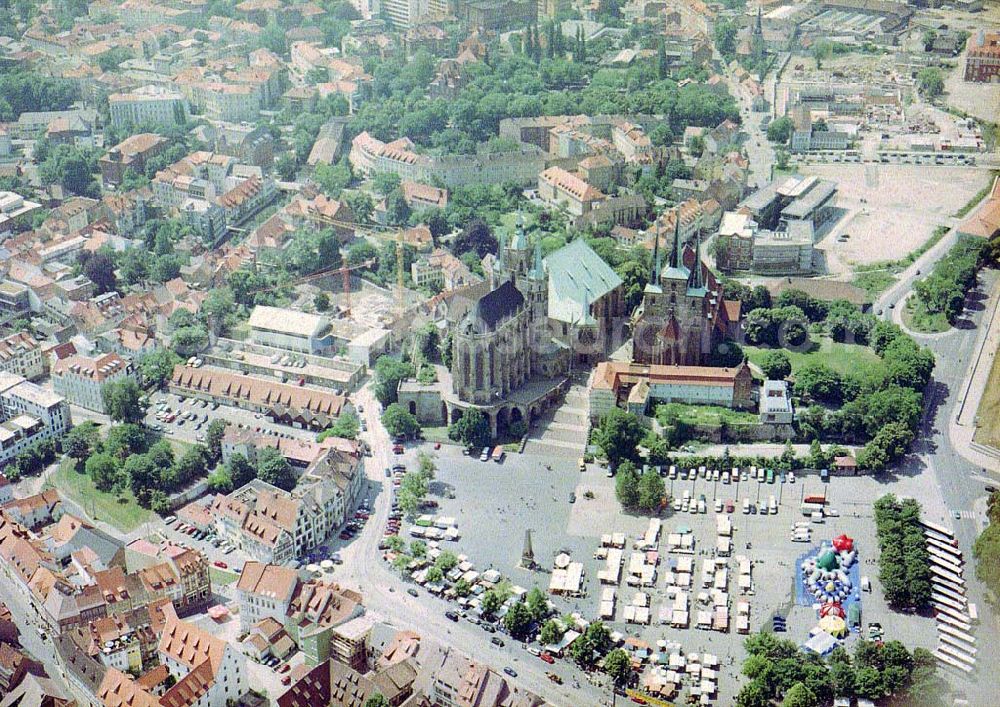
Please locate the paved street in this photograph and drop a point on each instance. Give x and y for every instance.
(959, 483)
(385, 594)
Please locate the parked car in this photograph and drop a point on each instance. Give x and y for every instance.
(510, 671)
(451, 616)
(412, 592)
(547, 657)
(497, 641)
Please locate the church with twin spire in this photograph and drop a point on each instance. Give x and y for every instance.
(683, 317)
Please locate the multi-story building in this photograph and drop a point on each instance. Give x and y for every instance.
(498, 15)
(15, 211)
(317, 610)
(982, 57)
(209, 671)
(21, 355)
(30, 413)
(370, 156)
(259, 537)
(265, 591)
(440, 270)
(742, 245)
(636, 386)
(290, 330)
(776, 403)
(131, 153)
(403, 14)
(559, 187)
(173, 571)
(80, 378)
(148, 105)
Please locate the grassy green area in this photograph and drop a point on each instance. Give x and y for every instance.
(121, 511)
(436, 434)
(221, 577)
(875, 282)
(712, 415)
(917, 318)
(988, 414)
(842, 358)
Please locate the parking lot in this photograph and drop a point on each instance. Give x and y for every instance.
(191, 418)
(523, 493)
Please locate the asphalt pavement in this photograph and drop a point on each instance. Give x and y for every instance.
(385, 591)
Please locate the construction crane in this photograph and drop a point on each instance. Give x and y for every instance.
(344, 271)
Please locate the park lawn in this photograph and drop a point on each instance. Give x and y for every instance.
(917, 318)
(221, 577)
(123, 511)
(843, 358)
(988, 414)
(874, 282)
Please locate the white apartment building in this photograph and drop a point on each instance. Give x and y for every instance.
(404, 13)
(155, 105)
(264, 591)
(80, 378)
(22, 355)
(30, 413)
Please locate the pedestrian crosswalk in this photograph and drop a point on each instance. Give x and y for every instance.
(968, 515)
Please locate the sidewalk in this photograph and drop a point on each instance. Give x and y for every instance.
(961, 427)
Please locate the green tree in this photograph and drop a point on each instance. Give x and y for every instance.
(377, 700)
(100, 270)
(321, 302)
(776, 365)
(551, 633)
(618, 665)
(240, 470)
(122, 400)
(125, 440)
(71, 167)
(158, 365)
(724, 34)
(389, 371)
(81, 441)
(446, 561)
(213, 439)
(103, 471)
(618, 434)
(472, 429)
(930, 82)
(346, 426)
(627, 485)
(398, 422)
(780, 130)
(517, 621)
(799, 696)
(273, 468)
(651, 490)
(537, 604)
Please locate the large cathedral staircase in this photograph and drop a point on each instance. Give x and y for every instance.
(563, 430)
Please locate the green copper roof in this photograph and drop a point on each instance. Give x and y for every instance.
(577, 277)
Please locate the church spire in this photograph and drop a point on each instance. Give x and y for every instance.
(501, 265)
(655, 262)
(677, 256)
(538, 270)
(697, 280)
